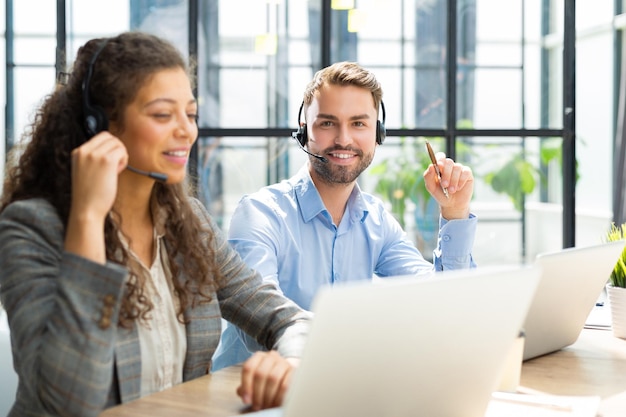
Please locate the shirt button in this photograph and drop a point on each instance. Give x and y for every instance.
(446, 238)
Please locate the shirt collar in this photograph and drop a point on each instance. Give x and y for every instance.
(311, 203)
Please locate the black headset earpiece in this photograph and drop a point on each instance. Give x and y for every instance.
(301, 134)
(381, 130)
(96, 119)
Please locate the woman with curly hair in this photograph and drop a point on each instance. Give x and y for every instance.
(114, 278)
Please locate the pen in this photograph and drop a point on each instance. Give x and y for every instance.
(434, 161)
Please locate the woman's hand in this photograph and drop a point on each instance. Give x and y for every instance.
(265, 378)
(95, 168)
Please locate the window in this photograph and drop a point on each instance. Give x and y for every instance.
(503, 115)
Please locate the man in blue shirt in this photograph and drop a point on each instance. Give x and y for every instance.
(318, 228)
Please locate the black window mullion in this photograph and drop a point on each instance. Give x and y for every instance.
(193, 52)
(9, 112)
(569, 124)
(451, 65)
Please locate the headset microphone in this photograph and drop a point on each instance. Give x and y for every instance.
(320, 157)
(96, 119)
(159, 176)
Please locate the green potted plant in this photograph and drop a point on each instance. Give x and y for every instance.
(517, 177)
(616, 287)
(618, 275)
(400, 181)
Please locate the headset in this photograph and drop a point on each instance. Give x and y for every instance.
(96, 119)
(301, 135)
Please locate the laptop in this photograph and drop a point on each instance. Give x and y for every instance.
(572, 281)
(405, 346)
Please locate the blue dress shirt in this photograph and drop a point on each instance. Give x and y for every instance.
(285, 232)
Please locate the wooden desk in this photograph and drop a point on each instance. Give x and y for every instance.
(208, 396)
(594, 365)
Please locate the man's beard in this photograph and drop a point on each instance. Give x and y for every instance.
(339, 174)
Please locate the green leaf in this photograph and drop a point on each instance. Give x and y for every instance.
(526, 176)
(515, 179)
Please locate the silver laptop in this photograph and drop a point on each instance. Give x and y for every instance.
(571, 283)
(406, 347)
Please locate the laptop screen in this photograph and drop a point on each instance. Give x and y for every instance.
(406, 346)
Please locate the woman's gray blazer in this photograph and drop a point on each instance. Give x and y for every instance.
(71, 357)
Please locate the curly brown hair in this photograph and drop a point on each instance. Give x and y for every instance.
(123, 66)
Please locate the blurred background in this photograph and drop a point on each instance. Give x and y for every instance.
(528, 93)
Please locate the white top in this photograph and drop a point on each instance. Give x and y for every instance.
(162, 338)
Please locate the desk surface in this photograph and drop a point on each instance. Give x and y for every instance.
(594, 365)
(211, 396)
